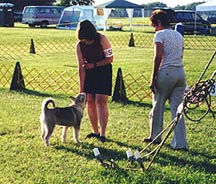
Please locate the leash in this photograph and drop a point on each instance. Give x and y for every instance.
(200, 94)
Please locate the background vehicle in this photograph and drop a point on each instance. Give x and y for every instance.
(41, 15)
(212, 19)
(192, 21)
(6, 15)
(17, 16)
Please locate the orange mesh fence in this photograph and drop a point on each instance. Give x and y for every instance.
(44, 47)
(137, 88)
(66, 82)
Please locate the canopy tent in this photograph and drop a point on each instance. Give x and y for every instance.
(73, 14)
(205, 9)
(208, 6)
(107, 7)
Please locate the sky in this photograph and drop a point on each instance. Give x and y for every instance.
(169, 3)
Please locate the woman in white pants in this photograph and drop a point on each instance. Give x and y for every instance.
(168, 79)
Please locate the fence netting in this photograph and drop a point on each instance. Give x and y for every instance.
(67, 83)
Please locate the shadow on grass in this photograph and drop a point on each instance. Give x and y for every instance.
(196, 164)
(83, 149)
(40, 94)
(71, 66)
(109, 157)
(112, 158)
(164, 159)
(24, 26)
(139, 104)
(35, 93)
(136, 103)
(3, 133)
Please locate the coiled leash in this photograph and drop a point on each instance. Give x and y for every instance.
(201, 94)
(193, 99)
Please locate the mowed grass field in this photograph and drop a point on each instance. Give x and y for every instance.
(24, 158)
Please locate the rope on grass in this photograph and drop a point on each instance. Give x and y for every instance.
(197, 96)
(200, 94)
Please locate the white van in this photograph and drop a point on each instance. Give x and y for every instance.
(41, 15)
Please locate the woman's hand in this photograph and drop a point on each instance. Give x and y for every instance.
(153, 86)
(88, 66)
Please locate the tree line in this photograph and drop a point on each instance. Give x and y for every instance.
(20, 4)
(192, 6)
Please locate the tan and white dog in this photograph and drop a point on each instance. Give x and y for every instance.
(70, 116)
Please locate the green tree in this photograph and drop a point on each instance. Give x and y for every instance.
(29, 2)
(67, 3)
(82, 2)
(20, 4)
(192, 6)
(151, 6)
(179, 7)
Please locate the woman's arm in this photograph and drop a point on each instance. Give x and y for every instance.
(107, 49)
(158, 54)
(81, 69)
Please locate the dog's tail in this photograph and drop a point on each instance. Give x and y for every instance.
(46, 102)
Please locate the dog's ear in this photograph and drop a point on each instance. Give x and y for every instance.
(72, 98)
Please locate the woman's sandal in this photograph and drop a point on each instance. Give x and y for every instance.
(92, 135)
(102, 138)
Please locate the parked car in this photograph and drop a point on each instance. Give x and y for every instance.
(41, 15)
(192, 22)
(17, 16)
(212, 19)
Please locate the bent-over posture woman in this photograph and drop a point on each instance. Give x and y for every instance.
(94, 56)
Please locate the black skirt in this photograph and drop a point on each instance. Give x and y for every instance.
(99, 80)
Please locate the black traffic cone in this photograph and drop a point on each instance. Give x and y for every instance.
(17, 82)
(32, 47)
(131, 41)
(119, 94)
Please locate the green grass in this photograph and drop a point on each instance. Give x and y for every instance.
(24, 158)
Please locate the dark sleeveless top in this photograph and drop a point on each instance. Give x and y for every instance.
(99, 79)
(94, 52)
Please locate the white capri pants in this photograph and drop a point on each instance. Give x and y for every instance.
(171, 83)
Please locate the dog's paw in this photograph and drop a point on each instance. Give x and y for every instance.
(77, 141)
(47, 145)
